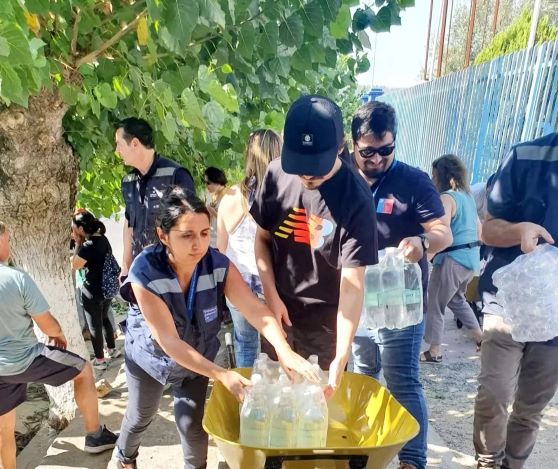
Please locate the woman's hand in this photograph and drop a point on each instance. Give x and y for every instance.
(235, 383)
(293, 363)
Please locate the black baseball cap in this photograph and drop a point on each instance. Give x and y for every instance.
(312, 136)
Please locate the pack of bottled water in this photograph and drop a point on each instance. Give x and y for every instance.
(392, 293)
(528, 293)
(277, 413)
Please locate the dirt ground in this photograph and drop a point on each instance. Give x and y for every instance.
(451, 389)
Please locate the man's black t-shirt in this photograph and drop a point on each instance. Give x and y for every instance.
(94, 251)
(314, 233)
(405, 197)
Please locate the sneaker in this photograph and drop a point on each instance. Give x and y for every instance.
(98, 365)
(106, 441)
(113, 353)
(406, 465)
(115, 463)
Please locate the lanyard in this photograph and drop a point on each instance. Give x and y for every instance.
(192, 293)
(393, 165)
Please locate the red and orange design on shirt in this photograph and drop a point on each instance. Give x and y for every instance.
(310, 230)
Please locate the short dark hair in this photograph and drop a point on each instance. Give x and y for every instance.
(215, 175)
(176, 202)
(375, 118)
(449, 167)
(133, 127)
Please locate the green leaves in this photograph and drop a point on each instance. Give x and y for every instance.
(269, 39)
(192, 110)
(214, 116)
(106, 96)
(180, 17)
(10, 86)
(340, 26)
(208, 72)
(20, 53)
(69, 94)
(4, 47)
(291, 31)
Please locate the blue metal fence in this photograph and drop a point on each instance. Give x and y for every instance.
(480, 112)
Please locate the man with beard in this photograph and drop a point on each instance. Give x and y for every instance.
(316, 234)
(410, 215)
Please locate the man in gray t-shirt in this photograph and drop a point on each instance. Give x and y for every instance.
(21, 300)
(24, 360)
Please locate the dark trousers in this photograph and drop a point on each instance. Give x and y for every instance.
(96, 314)
(144, 397)
(309, 336)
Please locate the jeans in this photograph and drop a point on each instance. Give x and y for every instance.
(144, 397)
(398, 352)
(246, 339)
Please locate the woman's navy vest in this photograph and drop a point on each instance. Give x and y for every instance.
(151, 271)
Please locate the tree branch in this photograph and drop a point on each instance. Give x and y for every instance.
(73, 43)
(113, 40)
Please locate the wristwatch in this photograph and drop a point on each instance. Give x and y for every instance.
(424, 242)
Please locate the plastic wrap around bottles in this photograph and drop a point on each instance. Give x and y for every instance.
(392, 293)
(298, 417)
(528, 293)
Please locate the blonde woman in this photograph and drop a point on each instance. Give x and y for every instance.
(236, 233)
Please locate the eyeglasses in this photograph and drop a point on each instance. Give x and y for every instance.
(369, 152)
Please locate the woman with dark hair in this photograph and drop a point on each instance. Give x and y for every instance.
(216, 186)
(455, 266)
(91, 249)
(236, 233)
(175, 288)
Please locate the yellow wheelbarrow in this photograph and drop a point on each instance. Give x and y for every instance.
(367, 428)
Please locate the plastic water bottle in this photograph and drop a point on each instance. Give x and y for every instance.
(314, 360)
(313, 420)
(393, 289)
(413, 294)
(254, 416)
(374, 316)
(284, 420)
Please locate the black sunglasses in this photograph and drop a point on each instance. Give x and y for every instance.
(369, 152)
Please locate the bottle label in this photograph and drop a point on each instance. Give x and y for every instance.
(412, 296)
(391, 297)
(371, 299)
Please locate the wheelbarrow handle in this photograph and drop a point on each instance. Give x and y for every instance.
(355, 461)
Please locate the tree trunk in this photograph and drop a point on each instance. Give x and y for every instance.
(38, 174)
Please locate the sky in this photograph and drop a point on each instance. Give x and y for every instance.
(397, 57)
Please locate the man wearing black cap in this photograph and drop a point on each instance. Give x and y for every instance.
(316, 234)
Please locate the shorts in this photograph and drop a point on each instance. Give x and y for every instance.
(54, 366)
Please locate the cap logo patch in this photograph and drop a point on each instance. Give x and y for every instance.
(307, 140)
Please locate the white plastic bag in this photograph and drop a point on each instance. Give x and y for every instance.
(528, 293)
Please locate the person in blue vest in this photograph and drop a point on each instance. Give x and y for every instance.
(175, 289)
(522, 212)
(144, 185)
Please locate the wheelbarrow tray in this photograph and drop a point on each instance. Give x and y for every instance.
(366, 425)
